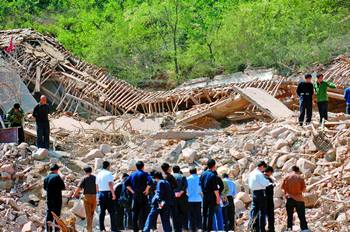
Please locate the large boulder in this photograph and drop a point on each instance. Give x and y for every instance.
(248, 146)
(236, 154)
(40, 154)
(280, 143)
(94, 153)
(276, 132)
(29, 227)
(239, 206)
(22, 219)
(282, 160)
(306, 166)
(222, 169)
(189, 155)
(23, 146)
(330, 155)
(311, 200)
(243, 163)
(245, 197)
(105, 148)
(8, 168)
(289, 164)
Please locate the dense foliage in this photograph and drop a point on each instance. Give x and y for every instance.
(139, 40)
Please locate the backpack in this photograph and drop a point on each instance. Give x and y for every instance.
(124, 200)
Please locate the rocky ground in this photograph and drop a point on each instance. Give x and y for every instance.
(321, 154)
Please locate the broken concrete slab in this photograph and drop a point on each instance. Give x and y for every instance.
(265, 102)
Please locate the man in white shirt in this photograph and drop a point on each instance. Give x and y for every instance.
(106, 195)
(257, 183)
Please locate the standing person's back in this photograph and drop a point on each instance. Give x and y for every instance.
(294, 186)
(53, 184)
(194, 192)
(139, 184)
(181, 201)
(88, 184)
(211, 196)
(106, 196)
(229, 210)
(41, 115)
(305, 90)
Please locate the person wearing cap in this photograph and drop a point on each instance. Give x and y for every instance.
(139, 184)
(41, 114)
(181, 201)
(194, 193)
(347, 100)
(53, 185)
(270, 209)
(88, 184)
(229, 210)
(123, 204)
(305, 90)
(257, 184)
(15, 117)
(162, 202)
(106, 196)
(211, 195)
(321, 87)
(293, 186)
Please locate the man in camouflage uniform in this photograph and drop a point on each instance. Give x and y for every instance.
(15, 117)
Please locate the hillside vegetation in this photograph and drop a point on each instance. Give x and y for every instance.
(140, 40)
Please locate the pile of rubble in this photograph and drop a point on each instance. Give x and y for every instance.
(322, 154)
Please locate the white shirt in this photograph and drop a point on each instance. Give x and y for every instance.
(257, 180)
(103, 178)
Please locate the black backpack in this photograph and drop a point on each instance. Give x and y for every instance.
(124, 199)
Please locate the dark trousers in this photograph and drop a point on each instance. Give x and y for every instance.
(43, 135)
(229, 215)
(123, 218)
(348, 109)
(305, 104)
(270, 210)
(258, 211)
(195, 216)
(209, 205)
(139, 211)
(299, 206)
(20, 132)
(164, 216)
(106, 203)
(56, 208)
(323, 110)
(180, 214)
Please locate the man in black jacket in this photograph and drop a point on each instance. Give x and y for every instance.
(305, 90)
(270, 209)
(53, 184)
(123, 205)
(181, 201)
(41, 115)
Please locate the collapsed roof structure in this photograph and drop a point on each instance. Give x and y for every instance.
(74, 85)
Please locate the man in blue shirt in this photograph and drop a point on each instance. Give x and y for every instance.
(211, 196)
(347, 99)
(194, 192)
(162, 202)
(229, 211)
(181, 201)
(139, 184)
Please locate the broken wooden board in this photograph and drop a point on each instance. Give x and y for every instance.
(218, 110)
(265, 102)
(181, 135)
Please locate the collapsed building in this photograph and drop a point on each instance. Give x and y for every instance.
(37, 63)
(74, 85)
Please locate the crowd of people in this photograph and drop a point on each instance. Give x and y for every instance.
(194, 203)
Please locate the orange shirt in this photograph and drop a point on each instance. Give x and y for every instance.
(294, 186)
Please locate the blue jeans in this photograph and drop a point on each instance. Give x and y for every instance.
(195, 216)
(152, 218)
(43, 135)
(305, 105)
(218, 221)
(258, 211)
(106, 203)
